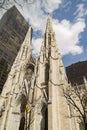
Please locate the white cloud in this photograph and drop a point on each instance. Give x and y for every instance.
(68, 36)
(35, 12)
(35, 15)
(36, 45)
(51, 5)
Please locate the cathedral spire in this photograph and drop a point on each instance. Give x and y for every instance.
(49, 37)
(49, 24)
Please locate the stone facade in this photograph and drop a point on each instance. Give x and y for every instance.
(32, 98)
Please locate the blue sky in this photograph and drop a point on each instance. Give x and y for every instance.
(68, 12)
(69, 19)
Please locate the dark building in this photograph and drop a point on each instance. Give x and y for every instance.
(13, 28)
(76, 72)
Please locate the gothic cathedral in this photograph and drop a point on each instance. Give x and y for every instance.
(32, 97)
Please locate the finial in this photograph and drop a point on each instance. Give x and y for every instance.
(49, 14)
(49, 17)
(49, 24)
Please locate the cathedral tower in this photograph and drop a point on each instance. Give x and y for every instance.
(51, 110)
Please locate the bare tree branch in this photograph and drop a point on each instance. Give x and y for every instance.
(71, 101)
(77, 97)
